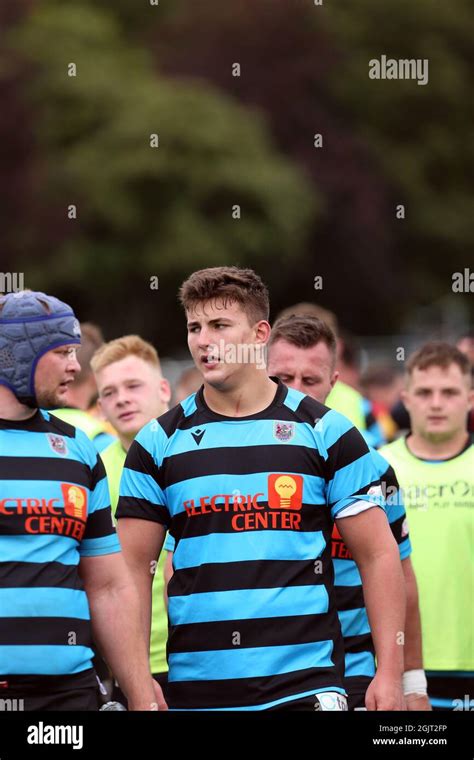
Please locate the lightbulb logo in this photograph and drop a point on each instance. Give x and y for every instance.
(75, 500)
(285, 491)
(285, 487)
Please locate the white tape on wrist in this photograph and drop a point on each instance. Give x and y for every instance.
(414, 682)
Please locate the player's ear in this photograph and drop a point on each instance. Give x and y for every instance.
(165, 390)
(262, 331)
(471, 399)
(100, 409)
(334, 378)
(405, 396)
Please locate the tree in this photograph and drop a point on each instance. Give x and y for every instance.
(154, 169)
(385, 143)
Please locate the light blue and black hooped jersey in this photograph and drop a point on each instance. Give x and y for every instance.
(54, 509)
(358, 644)
(250, 503)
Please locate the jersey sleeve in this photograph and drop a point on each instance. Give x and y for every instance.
(352, 482)
(100, 536)
(394, 504)
(141, 490)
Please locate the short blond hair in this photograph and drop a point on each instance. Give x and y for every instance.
(120, 348)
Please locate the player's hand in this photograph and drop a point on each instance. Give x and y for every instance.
(150, 698)
(159, 698)
(385, 693)
(418, 702)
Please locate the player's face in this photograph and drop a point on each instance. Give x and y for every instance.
(54, 374)
(223, 343)
(438, 401)
(309, 370)
(131, 393)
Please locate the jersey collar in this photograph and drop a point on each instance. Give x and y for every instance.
(280, 395)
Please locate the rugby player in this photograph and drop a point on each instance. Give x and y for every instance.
(302, 353)
(62, 576)
(435, 467)
(82, 409)
(249, 476)
(133, 391)
(343, 397)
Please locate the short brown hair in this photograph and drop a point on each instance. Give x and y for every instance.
(120, 348)
(232, 284)
(309, 309)
(303, 332)
(438, 354)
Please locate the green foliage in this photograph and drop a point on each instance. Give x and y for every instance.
(419, 134)
(165, 211)
(143, 209)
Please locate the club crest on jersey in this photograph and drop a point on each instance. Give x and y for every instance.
(58, 444)
(283, 431)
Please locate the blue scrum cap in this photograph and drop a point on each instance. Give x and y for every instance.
(31, 323)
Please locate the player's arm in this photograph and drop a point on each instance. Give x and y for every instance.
(141, 543)
(355, 497)
(117, 627)
(368, 537)
(414, 677)
(142, 514)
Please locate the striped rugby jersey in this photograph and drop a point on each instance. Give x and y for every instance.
(358, 644)
(54, 509)
(250, 503)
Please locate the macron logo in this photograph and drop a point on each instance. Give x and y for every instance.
(44, 734)
(198, 435)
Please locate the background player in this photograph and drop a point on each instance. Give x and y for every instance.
(435, 467)
(344, 395)
(133, 391)
(82, 411)
(302, 353)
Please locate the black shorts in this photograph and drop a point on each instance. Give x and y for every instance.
(356, 701)
(304, 704)
(78, 700)
(65, 692)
